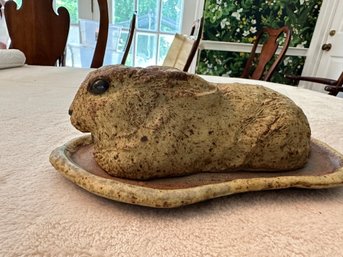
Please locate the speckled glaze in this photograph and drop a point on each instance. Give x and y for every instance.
(160, 122)
(172, 192)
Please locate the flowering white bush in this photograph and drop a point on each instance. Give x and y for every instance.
(238, 21)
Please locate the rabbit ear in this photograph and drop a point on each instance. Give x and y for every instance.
(197, 91)
(211, 91)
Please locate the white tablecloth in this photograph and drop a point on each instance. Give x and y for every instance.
(43, 214)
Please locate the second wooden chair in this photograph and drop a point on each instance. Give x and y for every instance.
(268, 51)
(100, 47)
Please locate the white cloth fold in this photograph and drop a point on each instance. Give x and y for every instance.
(11, 58)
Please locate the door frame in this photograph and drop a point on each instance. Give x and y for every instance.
(320, 36)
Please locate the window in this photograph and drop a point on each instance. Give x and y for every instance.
(157, 22)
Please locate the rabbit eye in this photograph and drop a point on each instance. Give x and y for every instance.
(99, 87)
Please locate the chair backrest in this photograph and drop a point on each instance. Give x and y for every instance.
(338, 87)
(130, 38)
(332, 86)
(103, 36)
(183, 48)
(101, 40)
(37, 30)
(268, 51)
(335, 87)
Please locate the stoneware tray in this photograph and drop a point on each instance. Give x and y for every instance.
(75, 161)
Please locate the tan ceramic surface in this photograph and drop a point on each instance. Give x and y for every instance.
(159, 122)
(163, 195)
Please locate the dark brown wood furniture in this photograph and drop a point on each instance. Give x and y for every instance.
(37, 30)
(183, 48)
(130, 38)
(268, 51)
(100, 47)
(199, 26)
(332, 86)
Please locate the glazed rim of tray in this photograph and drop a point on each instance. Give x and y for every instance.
(74, 160)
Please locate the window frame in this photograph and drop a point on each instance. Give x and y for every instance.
(192, 9)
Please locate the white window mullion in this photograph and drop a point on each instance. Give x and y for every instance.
(190, 11)
(158, 30)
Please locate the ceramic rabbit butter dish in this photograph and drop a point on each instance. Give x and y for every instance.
(159, 122)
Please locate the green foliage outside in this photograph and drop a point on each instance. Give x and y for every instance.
(72, 7)
(148, 16)
(238, 21)
(123, 10)
(19, 2)
(171, 12)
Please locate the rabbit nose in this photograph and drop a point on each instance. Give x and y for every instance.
(70, 112)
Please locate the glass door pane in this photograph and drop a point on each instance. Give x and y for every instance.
(171, 15)
(146, 44)
(148, 14)
(157, 22)
(163, 47)
(122, 12)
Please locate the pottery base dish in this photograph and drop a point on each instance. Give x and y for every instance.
(75, 161)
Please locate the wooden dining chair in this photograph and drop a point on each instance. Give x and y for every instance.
(183, 48)
(332, 86)
(129, 38)
(37, 31)
(101, 43)
(268, 51)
